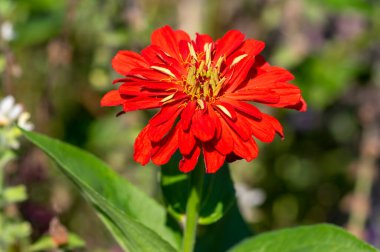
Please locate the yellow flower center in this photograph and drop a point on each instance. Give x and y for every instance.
(203, 81)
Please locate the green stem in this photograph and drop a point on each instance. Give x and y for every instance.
(192, 208)
(5, 157)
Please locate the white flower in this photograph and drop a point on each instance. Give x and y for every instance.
(11, 112)
(249, 197)
(23, 122)
(7, 31)
(248, 200)
(12, 115)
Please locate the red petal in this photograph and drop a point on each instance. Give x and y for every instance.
(169, 71)
(203, 126)
(213, 159)
(186, 142)
(165, 114)
(246, 149)
(238, 127)
(145, 88)
(232, 157)
(117, 80)
(225, 143)
(239, 73)
(262, 129)
(261, 63)
(275, 123)
(112, 98)
(301, 105)
(244, 107)
(187, 115)
(266, 80)
(184, 50)
(189, 162)
(151, 54)
(148, 74)
(164, 150)
(158, 86)
(142, 147)
(141, 102)
(201, 40)
(125, 61)
(166, 38)
(252, 47)
(182, 35)
(215, 119)
(130, 90)
(290, 96)
(257, 95)
(228, 43)
(226, 109)
(162, 124)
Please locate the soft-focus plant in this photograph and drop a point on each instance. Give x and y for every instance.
(206, 91)
(14, 232)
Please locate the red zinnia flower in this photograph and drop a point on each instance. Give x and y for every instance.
(203, 89)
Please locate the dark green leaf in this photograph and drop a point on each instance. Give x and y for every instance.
(317, 238)
(38, 30)
(343, 5)
(225, 233)
(126, 211)
(218, 193)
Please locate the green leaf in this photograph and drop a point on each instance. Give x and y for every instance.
(10, 232)
(223, 234)
(316, 238)
(15, 194)
(218, 194)
(343, 5)
(128, 213)
(75, 241)
(38, 30)
(46, 242)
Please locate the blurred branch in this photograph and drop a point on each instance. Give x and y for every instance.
(366, 170)
(8, 57)
(190, 15)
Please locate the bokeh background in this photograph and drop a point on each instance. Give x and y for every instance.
(55, 59)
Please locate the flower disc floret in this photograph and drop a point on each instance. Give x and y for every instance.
(203, 80)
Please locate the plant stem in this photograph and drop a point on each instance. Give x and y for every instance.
(5, 157)
(192, 208)
(366, 173)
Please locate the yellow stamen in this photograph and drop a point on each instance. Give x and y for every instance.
(201, 103)
(140, 76)
(207, 49)
(203, 81)
(219, 63)
(167, 98)
(225, 110)
(192, 51)
(163, 70)
(238, 59)
(200, 68)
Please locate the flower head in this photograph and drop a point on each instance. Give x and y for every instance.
(12, 114)
(205, 91)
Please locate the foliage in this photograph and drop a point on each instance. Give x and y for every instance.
(127, 212)
(311, 238)
(138, 223)
(215, 202)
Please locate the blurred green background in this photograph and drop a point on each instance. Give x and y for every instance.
(55, 59)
